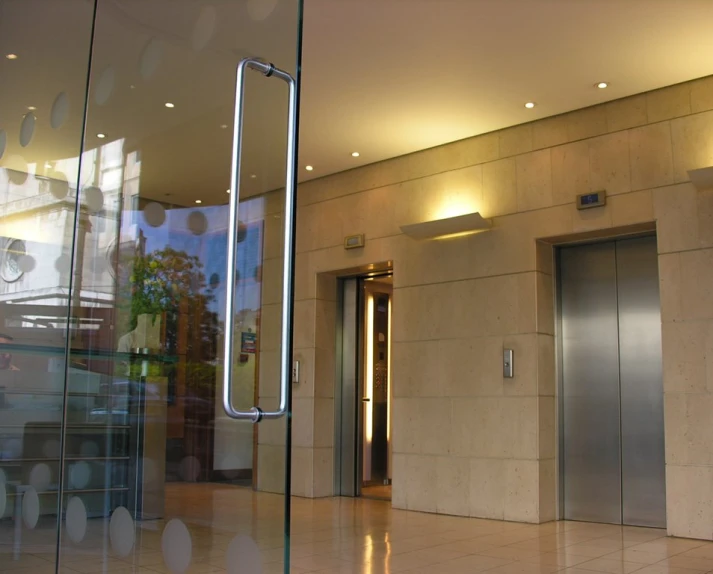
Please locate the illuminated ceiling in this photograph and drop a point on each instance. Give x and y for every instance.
(381, 77)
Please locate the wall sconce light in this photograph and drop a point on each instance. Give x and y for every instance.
(702, 178)
(448, 227)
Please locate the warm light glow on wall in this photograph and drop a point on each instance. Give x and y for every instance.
(455, 203)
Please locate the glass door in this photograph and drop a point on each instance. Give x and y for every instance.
(151, 196)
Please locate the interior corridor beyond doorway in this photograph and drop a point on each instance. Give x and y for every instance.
(363, 459)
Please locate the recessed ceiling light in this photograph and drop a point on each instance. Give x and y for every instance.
(227, 191)
(11, 56)
(224, 127)
(132, 86)
(101, 136)
(602, 85)
(31, 108)
(198, 201)
(355, 154)
(48, 165)
(253, 176)
(169, 105)
(530, 105)
(309, 168)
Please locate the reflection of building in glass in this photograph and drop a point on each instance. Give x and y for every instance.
(37, 219)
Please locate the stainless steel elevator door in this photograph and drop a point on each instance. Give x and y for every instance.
(590, 374)
(612, 395)
(642, 425)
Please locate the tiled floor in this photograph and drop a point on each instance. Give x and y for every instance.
(378, 492)
(349, 536)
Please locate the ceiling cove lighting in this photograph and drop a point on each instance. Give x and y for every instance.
(448, 227)
(602, 85)
(530, 105)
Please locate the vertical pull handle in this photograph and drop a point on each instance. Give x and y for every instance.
(256, 414)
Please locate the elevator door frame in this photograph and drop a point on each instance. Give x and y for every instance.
(560, 436)
(349, 388)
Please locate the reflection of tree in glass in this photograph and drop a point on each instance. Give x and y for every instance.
(171, 284)
(161, 279)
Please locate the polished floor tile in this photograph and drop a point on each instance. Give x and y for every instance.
(348, 536)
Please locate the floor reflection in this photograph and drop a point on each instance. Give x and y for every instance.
(236, 527)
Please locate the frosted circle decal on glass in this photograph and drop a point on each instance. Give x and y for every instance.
(40, 477)
(60, 110)
(89, 448)
(99, 264)
(27, 129)
(242, 231)
(3, 499)
(76, 519)
(3, 142)
(154, 214)
(150, 59)
(105, 86)
(204, 29)
(177, 546)
(122, 532)
(93, 199)
(26, 263)
(197, 223)
(58, 184)
(190, 469)
(80, 474)
(260, 10)
(30, 508)
(16, 169)
(243, 556)
(63, 263)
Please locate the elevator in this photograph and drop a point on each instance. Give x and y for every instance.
(611, 407)
(363, 401)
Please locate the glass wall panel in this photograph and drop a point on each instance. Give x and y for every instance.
(118, 151)
(44, 66)
(157, 475)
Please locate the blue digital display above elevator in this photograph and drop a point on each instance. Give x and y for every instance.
(589, 200)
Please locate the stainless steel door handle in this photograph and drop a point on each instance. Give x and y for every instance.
(256, 414)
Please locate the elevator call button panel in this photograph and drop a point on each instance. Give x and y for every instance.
(508, 371)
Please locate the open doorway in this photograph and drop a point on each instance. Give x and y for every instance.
(363, 456)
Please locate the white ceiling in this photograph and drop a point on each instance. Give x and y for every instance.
(381, 77)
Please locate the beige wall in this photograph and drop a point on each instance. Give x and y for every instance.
(466, 441)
